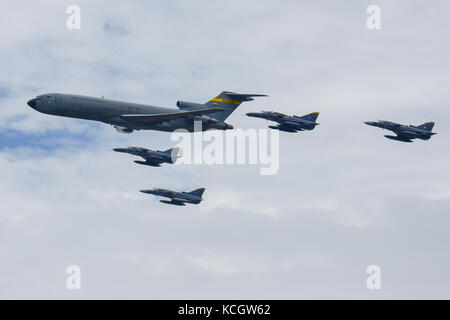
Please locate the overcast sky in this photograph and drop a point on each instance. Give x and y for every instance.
(344, 198)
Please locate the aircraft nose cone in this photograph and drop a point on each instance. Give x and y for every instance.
(32, 103)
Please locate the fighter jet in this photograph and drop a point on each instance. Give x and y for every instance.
(288, 123)
(178, 198)
(152, 158)
(127, 117)
(405, 133)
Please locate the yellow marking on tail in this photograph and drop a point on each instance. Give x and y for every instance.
(226, 101)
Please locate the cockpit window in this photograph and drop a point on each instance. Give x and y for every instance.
(43, 97)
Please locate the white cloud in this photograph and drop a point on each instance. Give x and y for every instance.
(344, 198)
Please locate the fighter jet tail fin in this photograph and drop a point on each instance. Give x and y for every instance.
(310, 117)
(198, 192)
(428, 126)
(229, 101)
(173, 151)
(174, 154)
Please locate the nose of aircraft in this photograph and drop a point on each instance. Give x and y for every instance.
(32, 103)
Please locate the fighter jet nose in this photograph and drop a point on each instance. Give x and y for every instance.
(32, 103)
(229, 126)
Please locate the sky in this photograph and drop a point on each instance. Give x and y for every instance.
(344, 198)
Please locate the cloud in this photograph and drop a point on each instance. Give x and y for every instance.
(344, 197)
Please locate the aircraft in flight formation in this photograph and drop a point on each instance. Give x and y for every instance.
(152, 158)
(403, 132)
(288, 123)
(126, 117)
(178, 198)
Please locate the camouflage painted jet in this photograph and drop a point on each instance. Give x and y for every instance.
(152, 158)
(127, 117)
(178, 198)
(405, 133)
(288, 123)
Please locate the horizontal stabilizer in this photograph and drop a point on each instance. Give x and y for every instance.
(168, 116)
(244, 96)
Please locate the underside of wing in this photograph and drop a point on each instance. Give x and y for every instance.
(405, 134)
(399, 138)
(153, 161)
(175, 202)
(285, 128)
(291, 124)
(168, 116)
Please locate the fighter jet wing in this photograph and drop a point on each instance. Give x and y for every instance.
(168, 116)
(152, 161)
(290, 125)
(175, 202)
(286, 128)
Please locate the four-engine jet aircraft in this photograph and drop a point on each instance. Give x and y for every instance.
(178, 198)
(405, 133)
(152, 158)
(288, 123)
(127, 117)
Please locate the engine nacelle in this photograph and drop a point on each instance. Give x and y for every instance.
(184, 105)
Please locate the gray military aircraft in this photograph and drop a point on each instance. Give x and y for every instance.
(152, 158)
(405, 133)
(288, 123)
(178, 198)
(127, 117)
